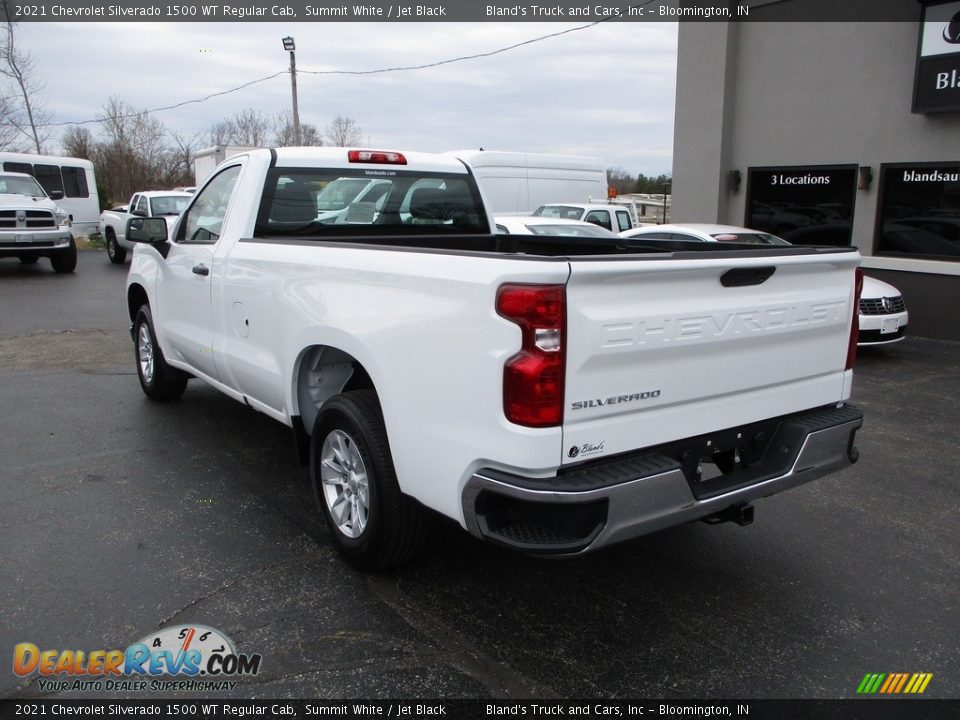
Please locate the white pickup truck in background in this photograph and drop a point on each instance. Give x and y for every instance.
(615, 218)
(153, 203)
(553, 395)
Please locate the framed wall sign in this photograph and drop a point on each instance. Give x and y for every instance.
(936, 86)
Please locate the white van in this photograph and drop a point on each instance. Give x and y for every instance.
(518, 183)
(71, 176)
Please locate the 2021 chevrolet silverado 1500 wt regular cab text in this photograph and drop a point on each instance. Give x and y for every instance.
(553, 395)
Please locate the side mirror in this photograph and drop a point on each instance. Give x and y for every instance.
(55, 194)
(147, 230)
(138, 213)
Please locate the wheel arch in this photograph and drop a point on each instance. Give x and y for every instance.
(136, 297)
(321, 372)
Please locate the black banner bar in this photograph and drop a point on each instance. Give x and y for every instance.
(187, 707)
(458, 11)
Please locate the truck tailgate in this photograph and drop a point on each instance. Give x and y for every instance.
(666, 348)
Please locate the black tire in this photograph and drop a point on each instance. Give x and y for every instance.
(117, 254)
(65, 261)
(396, 526)
(29, 259)
(162, 382)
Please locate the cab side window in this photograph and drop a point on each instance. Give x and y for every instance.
(599, 217)
(623, 220)
(204, 220)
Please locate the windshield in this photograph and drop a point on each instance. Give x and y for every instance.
(169, 205)
(398, 202)
(571, 230)
(566, 212)
(16, 185)
(750, 238)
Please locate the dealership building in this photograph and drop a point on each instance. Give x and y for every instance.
(832, 133)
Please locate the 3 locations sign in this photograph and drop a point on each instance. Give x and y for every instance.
(937, 84)
(806, 205)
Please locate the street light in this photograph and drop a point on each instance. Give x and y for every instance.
(290, 46)
(663, 187)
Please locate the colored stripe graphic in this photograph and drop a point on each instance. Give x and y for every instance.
(918, 683)
(903, 680)
(870, 683)
(894, 683)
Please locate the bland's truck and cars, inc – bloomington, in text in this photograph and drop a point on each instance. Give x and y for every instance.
(553, 395)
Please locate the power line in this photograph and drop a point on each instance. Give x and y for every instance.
(172, 107)
(457, 59)
(424, 66)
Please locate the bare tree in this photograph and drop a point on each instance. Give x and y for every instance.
(179, 166)
(284, 135)
(344, 131)
(220, 133)
(78, 142)
(247, 127)
(133, 155)
(251, 127)
(9, 134)
(28, 113)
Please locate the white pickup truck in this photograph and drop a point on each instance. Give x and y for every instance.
(553, 395)
(33, 225)
(615, 218)
(152, 203)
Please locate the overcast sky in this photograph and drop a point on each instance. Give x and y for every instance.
(605, 91)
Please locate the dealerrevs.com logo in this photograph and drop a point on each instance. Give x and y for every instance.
(196, 657)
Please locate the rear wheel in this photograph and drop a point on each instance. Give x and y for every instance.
(116, 253)
(158, 380)
(65, 261)
(372, 523)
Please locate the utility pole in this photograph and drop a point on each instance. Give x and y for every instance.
(288, 44)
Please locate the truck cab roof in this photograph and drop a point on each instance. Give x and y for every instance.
(338, 157)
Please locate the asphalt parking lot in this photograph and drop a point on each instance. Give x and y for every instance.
(120, 516)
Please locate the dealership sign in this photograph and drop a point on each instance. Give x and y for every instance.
(937, 84)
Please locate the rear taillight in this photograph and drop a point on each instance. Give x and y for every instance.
(379, 157)
(533, 378)
(855, 323)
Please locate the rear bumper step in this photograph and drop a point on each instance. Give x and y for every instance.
(602, 503)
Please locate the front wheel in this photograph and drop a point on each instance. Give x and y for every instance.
(65, 261)
(372, 523)
(158, 380)
(116, 253)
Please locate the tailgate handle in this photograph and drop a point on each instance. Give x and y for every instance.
(740, 277)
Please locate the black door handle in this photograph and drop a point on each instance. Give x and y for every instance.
(742, 277)
(201, 270)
